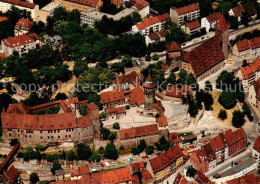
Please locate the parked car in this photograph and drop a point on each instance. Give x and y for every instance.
(107, 164)
(102, 164)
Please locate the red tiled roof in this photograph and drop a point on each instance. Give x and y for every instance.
(214, 17)
(138, 131)
(173, 46)
(217, 143)
(147, 22)
(136, 96)
(18, 109)
(146, 175)
(177, 92)
(111, 96)
(9, 156)
(243, 45)
(92, 3)
(2, 55)
(193, 25)
(205, 56)
(3, 18)
(137, 166)
(254, 43)
(11, 175)
(165, 159)
(177, 179)
(163, 33)
(154, 36)
(24, 24)
(20, 3)
(256, 85)
(20, 40)
(222, 24)
(186, 9)
(201, 154)
(165, 67)
(257, 144)
(92, 106)
(162, 120)
(247, 179)
(250, 71)
(149, 83)
(118, 110)
(238, 10)
(83, 122)
(139, 4)
(202, 179)
(133, 78)
(82, 170)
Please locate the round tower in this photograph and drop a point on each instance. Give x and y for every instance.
(149, 93)
(222, 28)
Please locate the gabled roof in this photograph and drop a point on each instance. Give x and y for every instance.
(11, 175)
(173, 46)
(238, 10)
(222, 24)
(147, 22)
(111, 96)
(117, 110)
(146, 175)
(20, 3)
(136, 96)
(18, 109)
(138, 131)
(139, 4)
(256, 86)
(202, 179)
(250, 71)
(162, 120)
(20, 40)
(193, 25)
(257, 144)
(3, 18)
(217, 143)
(23, 24)
(154, 37)
(165, 67)
(205, 56)
(92, 3)
(82, 170)
(133, 78)
(214, 17)
(137, 166)
(186, 9)
(243, 45)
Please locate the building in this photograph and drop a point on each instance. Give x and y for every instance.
(156, 37)
(137, 167)
(142, 7)
(200, 161)
(90, 17)
(114, 113)
(240, 170)
(180, 179)
(76, 174)
(23, 26)
(23, 123)
(149, 96)
(147, 178)
(247, 48)
(21, 44)
(211, 155)
(248, 8)
(204, 60)
(136, 96)
(173, 53)
(48, 10)
(178, 91)
(3, 18)
(210, 21)
(132, 136)
(5, 5)
(81, 5)
(112, 98)
(249, 74)
(249, 178)
(200, 178)
(164, 165)
(192, 28)
(254, 94)
(153, 24)
(53, 41)
(11, 176)
(121, 175)
(256, 150)
(128, 81)
(184, 14)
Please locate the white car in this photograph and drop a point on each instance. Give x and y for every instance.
(107, 164)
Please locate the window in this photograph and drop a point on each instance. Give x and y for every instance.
(9, 135)
(41, 137)
(30, 136)
(52, 137)
(41, 132)
(58, 136)
(48, 137)
(66, 136)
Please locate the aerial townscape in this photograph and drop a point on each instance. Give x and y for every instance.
(130, 92)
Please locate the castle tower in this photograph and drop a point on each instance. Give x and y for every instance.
(149, 94)
(222, 28)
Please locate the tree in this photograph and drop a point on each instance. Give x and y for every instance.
(224, 80)
(238, 119)
(94, 158)
(116, 126)
(71, 155)
(80, 67)
(245, 19)
(191, 171)
(102, 115)
(13, 142)
(112, 136)
(40, 147)
(83, 110)
(34, 178)
(34, 100)
(56, 166)
(134, 150)
(233, 21)
(176, 34)
(244, 63)
(111, 151)
(61, 96)
(222, 114)
(83, 152)
(5, 100)
(227, 99)
(149, 150)
(101, 150)
(136, 18)
(141, 146)
(208, 86)
(193, 108)
(105, 133)
(155, 57)
(127, 61)
(208, 101)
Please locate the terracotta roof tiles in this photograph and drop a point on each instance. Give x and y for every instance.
(193, 25)
(238, 10)
(11, 175)
(20, 40)
(257, 144)
(214, 17)
(111, 96)
(3, 18)
(24, 24)
(147, 22)
(136, 96)
(138, 131)
(250, 71)
(256, 86)
(20, 3)
(92, 3)
(139, 4)
(173, 46)
(186, 9)
(82, 170)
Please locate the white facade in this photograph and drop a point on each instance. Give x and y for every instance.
(256, 154)
(206, 24)
(4, 6)
(231, 13)
(180, 18)
(144, 12)
(252, 95)
(158, 26)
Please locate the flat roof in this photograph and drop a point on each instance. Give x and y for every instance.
(51, 6)
(99, 15)
(241, 166)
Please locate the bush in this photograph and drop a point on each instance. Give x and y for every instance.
(228, 99)
(102, 115)
(55, 166)
(40, 147)
(155, 57)
(83, 110)
(147, 58)
(101, 150)
(34, 177)
(222, 114)
(121, 148)
(111, 151)
(127, 107)
(149, 150)
(13, 142)
(116, 126)
(134, 150)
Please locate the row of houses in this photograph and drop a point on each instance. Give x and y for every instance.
(220, 148)
(247, 48)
